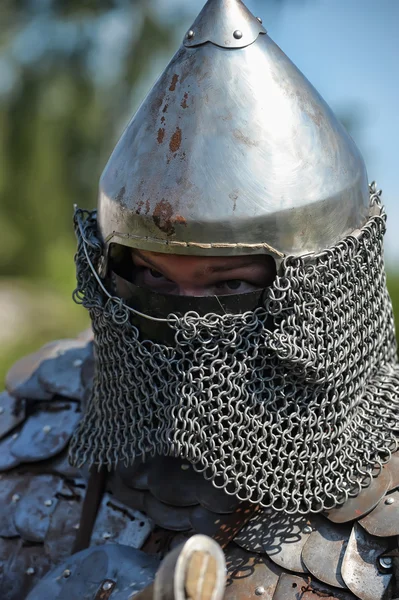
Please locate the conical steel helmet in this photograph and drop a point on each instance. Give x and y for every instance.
(232, 152)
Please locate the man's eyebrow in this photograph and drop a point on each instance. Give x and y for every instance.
(145, 259)
(222, 268)
(231, 267)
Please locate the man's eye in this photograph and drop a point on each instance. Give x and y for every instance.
(155, 274)
(234, 284)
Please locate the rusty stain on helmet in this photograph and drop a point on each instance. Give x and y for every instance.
(180, 220)
(175, 79)
(139, 207)
(175, 141)
(162, 216)
(161, 135)
(184, 101)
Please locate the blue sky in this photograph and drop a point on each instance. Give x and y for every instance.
(349, 50)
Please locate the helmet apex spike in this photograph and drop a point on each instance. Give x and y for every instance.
(220, 22)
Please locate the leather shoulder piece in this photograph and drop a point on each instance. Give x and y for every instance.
(345, 551)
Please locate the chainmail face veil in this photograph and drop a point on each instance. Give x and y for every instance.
(296, 417)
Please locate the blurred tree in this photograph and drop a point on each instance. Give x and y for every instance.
(71, 69)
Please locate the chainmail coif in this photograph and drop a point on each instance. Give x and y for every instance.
(297, 416)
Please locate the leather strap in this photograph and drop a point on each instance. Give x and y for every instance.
(91, 504)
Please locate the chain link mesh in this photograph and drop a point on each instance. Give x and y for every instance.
(297, 417)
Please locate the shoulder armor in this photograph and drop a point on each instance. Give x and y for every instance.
(34, 512)
(41, 495)
(53, 370)
(342, 552)
(96, 571)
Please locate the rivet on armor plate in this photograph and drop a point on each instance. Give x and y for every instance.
(390, 500)
(107, 586)
(78, 363)
(14, 437)
(46, 428)
(16, 498)
(237, 34)
(260, 20)
(260, 591)
(48, 502)
(106, 535)
(66, 573)
(307, 529)
(190, 34)
(385, 562)
(30, 571)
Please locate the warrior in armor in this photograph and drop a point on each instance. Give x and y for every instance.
(241, 387)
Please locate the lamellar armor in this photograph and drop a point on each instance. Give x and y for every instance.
(266, 421)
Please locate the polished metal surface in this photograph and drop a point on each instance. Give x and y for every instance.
(356, 507)
(250, 576)
(393, 468)
(282, 537)
(383, 521)
(324, 551)
(225, 23)
(360, 565)
(233, 152)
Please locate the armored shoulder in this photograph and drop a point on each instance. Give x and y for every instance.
(40, 493)
(345, 553)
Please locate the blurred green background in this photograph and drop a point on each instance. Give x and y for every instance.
(71, 73)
